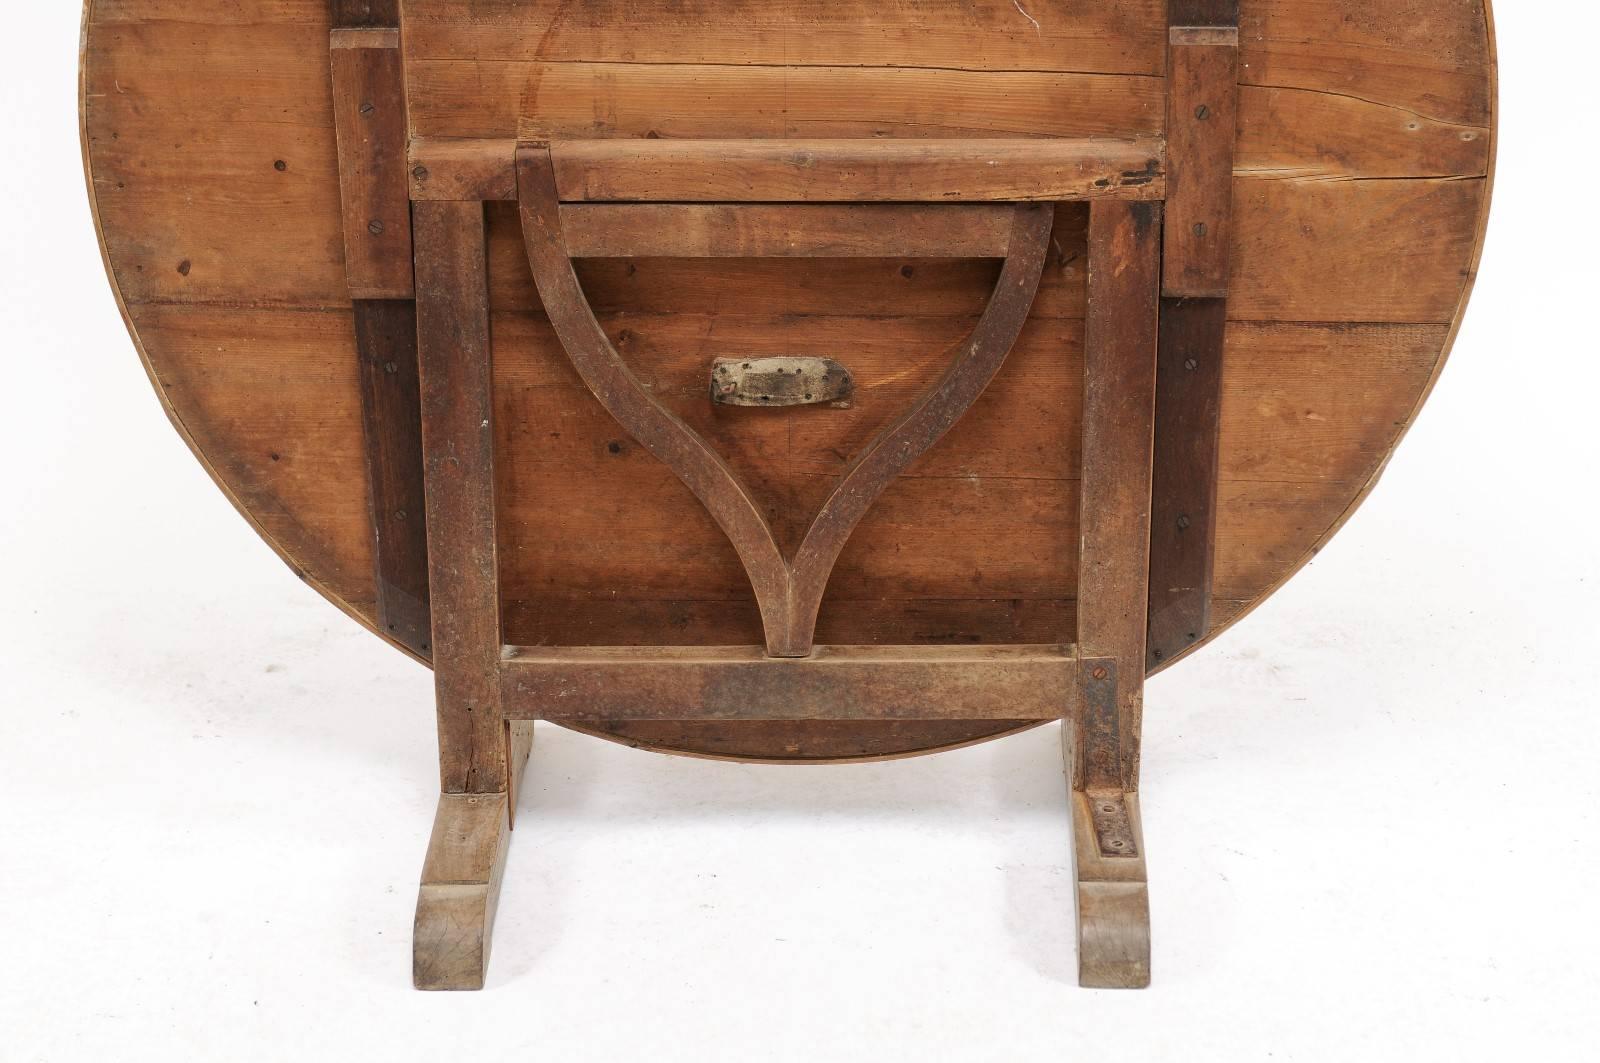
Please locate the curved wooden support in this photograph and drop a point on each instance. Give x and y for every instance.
(1113, 895)
(1112, 886)
(897, 446)
(789, 594)
(461, 879)
(655, 427)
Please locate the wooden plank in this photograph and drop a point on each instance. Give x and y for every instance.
(1119, 371)
(1431, 57)
(1202, 96)
(391, 418)
(946, 35)
(867, 230)
(743, 171)
(605, 620)
(742, 682)
(271, 397)
(457, 399)
(167, 197)
(1289, 134)
(1189, 374)
(370, 119)
(1357, 251)
(536, 100)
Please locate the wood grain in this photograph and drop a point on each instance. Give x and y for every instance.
(791, 171)
(834, 682)
(1344, 290)
(461, 877)
(1202, 109)
(1113, 900)
(1183, 505)
(386, 345)
(370, 121)
(454, 355)
(866, 230)
(1119, 381)
(534, 100)
(943, 35)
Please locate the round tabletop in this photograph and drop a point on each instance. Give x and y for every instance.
(1362, 172)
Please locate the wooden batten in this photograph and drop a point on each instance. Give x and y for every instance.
(793, 171)
(370, 126)
(744, 683)
(1202, 122)
(391, 422)
(370, 122)
(865, 230)
(1183, 506)
(1202, 116)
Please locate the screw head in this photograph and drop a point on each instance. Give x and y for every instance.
(1099, 673)
(1199, 228)
(375, 227)
(280, 165)
(391, 367)
(1190, 364)
(419, 172)
(1202, 112)
(367, 107)
(1183, 520)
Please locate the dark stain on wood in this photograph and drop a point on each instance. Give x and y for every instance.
(1183, 508)
(1203, 12)
(360, 14)
(391, 418)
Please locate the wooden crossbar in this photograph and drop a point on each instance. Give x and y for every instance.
(743, 683)
(807, 230)
(858, 170)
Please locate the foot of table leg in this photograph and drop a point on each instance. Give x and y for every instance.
(461, 881)
(1113, 898)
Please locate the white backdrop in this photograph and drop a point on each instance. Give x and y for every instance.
(1370, 807)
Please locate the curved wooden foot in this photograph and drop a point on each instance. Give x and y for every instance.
(461, 881)
(1113, 898)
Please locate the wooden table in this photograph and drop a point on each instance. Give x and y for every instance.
(791, 382)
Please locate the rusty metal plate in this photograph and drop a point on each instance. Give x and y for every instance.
(1113, 826)
(779, 381)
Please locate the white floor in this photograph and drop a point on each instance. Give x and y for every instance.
(1370, 808)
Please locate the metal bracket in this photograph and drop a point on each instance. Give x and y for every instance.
(1113, 826)
(780, 381)
(1100, 758)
